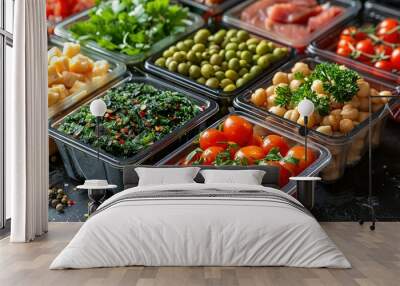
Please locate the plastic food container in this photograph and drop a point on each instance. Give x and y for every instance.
(83, 161)
(117, 69)
(346, 150)
(223, 97)
(233, 17)
(263, 129)
(210, 10)
(62, 30)
(326, 46)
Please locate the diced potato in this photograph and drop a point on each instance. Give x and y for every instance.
(80, 64)
(71, 49)
(61, 63)
(53, 52)
(97, 80)
(100, 68)
(61, 90)
(52, 97)
(69, 78)
(53, 75)
(78, 85)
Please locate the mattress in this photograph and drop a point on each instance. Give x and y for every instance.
(201, 225)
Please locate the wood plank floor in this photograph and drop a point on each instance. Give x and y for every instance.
(375, 257)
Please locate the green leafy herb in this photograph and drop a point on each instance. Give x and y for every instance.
(131, 26)
(283, 95)
(299, 76)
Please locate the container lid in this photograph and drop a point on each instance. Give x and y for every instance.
(212, 9)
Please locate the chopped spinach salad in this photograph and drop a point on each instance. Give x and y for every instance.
(131, 26)
(137, 116)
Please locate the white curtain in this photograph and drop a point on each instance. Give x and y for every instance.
(26, 123)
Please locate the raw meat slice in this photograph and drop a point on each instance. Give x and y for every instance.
(292, 13)
(295, 32)
(323, 18)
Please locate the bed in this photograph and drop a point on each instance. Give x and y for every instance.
(201, 224)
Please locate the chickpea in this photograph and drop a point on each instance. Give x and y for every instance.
(311, 121)
(337, 113)
(385, 93)
(375, 99)
(271, 101)
(343, 67)
(335, 104)
(364, 89)
(302, 68)
(332, 121)
(259, 97)
(349, 113)
(280, 77)
(362, 116)
(346, 125)
(295, 84)
(270, 90)
(290, 76)
(355, 102)
(277, 110)
(317, 86)
(292, 115)
(364, 104)
(325, 129)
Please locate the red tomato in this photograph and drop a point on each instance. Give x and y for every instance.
(383, 50)
(232, 148)
(365, 47)
(256, 140)
(389, 23)
(275, 141)
(345, 52)
(298, 152)
(290, 164)
(384, 65)
(212, 137)
(346, 43)
(191, 158)
(388, 35)
(284, 174)
(210, 154)
(353, 33)
(238, 129)
(250, 154)
(62, 8)
(395, 58)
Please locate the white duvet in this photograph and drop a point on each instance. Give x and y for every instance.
(202, 231)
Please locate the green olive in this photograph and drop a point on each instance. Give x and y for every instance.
(252, 48)
(242, 36)
(216, 68)
(271, 45)
(231, 33)
(229, 54)
(182, 46)
(246, 55)
(234, 64)
(224, 65)
(167, 53)
(202, 36)
(234, 40)
(265, 61)
(243, 63)
(179, 56)
(216, 59)
(168, 61)
(221, 53)
(194, 71)
(225, 82)
(205, 55)
(231, 46)
(279, 53)
(173, 66)
(262, 48)
(198, 48)
(160, 62)
(252, 41)
(201, 80)
(173, 49)
(256, 57)
(255, 70)
(220, 75)
(229, 87)
(242, 47)
(212, 82)
(189, 43)
(207, 71)
(243, 71)
(183, 68)
(231, 74)
(240, 82)
(191, 56)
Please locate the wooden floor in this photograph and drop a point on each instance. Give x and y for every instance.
(375, 257)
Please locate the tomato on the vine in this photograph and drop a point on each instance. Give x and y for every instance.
(210, 154)
(366, 49)
(250, 154)
(384, 50)
(212, 137)
(384, 65)
(353, 33)
(389, 23)
(238, 129)
(346, 43)
(395, 58)
(345, 52)
(388, 35)
(275, 141)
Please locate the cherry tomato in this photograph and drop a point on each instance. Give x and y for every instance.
(284, 174)
(299, 153)
(346, 43)
(250, 154)
(275, 141)
(365, 47)
(395, 58)
(383, 50)
(232, 148)
(256, 140)
(210, 154)
(386, 34)
(384, 65)
(345, 52)
(388, 23)
(291, 164)
(238, 129)
(353, 33)
(212, 137)
(191, 158)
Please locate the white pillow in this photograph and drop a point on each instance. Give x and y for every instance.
(166, 176)
(248, 177)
